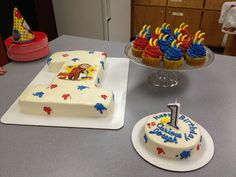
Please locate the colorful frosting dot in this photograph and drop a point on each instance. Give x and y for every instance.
(100, 107)
(75, 59)
(48, 110)
(38, 94)
(82, 87)
(165, 120)
(65, 55)
(49, 60)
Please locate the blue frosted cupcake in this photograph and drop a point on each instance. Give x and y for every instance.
(163, 43)
(165, 29)
(173, 58)
(196, 54)
(174, 36)
(146, 30)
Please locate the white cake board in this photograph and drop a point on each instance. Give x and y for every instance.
(195, 162)
(115, 79)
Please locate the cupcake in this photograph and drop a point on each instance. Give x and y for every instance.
(146, 29)
(163, 42)
(185, 42)
(173, 58)
(197, 36)
(152, 54)
(174, 35)
(139, 44)
(165, 29)
(196, 54)
(184, 29)
(157, 33)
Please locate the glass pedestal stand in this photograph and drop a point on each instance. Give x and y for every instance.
(162, 77)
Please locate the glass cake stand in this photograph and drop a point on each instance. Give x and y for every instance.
(162, 77)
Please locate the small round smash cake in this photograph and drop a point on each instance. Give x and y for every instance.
(173, 142)
(25, 44)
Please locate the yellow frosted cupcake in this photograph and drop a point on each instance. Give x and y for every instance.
(173, 58)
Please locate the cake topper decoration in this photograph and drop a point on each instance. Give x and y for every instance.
(175, 108)
(21, 32)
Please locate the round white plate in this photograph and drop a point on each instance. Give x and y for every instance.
(196, 161)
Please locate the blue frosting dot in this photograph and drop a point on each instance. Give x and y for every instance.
(49, 60)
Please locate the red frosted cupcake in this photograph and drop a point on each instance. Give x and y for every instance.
(184, 29)
(139, 44)
(152, 54)
(185, 42)
(157, 33)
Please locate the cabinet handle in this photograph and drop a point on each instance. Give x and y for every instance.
(180, 14)
(176, 1)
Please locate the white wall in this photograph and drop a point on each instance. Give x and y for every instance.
(79, 18)
(85, 18)
(120, 23)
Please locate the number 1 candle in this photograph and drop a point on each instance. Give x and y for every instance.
(174, 107)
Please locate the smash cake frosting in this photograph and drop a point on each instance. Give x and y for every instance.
(166, 141)
(74, 91)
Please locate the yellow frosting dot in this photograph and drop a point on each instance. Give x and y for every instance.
(165, 120)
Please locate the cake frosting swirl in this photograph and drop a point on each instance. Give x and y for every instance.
(165, 29)
(173, 37)
(163, 43)
(140, 43)
(152, 51)
(145, 30)
(174, 53)
(197, 50)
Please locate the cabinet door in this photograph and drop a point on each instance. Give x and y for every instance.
(186, 3)
(176, 16)
(151, 2)
(210, 25)
(153, 16)
(215, 4)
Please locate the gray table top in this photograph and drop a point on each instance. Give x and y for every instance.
(207, 95)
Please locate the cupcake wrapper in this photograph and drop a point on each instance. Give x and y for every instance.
(137, 52)
(155, 62)
(172, 64)
(195, 61)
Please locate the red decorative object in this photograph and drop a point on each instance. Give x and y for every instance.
(151, 124)
(34, 50)
(160, 151)
(104, 97)
(66, 96)
(48, 110)
(198, 147)
(65, 55)
(52, 86)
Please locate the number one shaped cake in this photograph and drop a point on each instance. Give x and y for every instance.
(74, 91)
